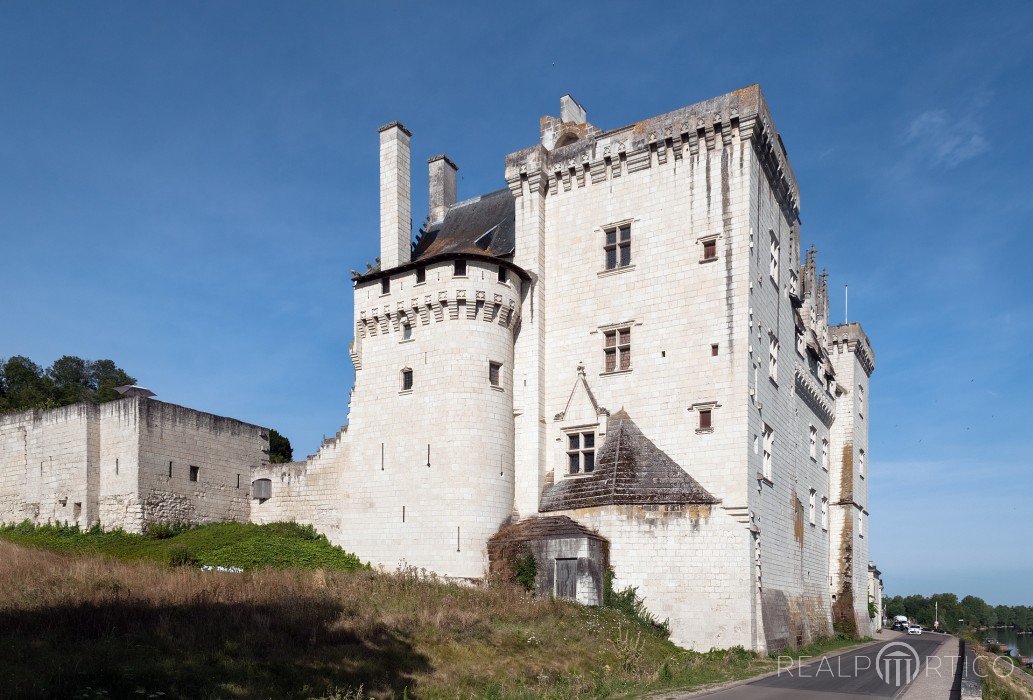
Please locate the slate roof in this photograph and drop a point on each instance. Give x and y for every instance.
(629, 470)
(545, 527)
(484, 225)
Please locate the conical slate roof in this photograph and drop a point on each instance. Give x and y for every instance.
(629, 470)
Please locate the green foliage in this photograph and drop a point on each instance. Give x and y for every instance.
(526, 569)
(24, 385)
(973, 610)
(163, 531)
(628, 602)
(873, 609)
(245, 545)
(181, 555)
(280, 450)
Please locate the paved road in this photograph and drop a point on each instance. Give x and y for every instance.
(841, 676)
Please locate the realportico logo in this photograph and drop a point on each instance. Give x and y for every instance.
(898, 663)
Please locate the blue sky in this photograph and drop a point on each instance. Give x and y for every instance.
(185, 187)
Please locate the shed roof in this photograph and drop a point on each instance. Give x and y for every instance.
(629, 470)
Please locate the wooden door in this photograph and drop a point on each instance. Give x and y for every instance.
(566, 578)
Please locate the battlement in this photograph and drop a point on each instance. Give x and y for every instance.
(850, 337)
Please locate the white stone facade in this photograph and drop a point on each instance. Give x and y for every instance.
(126, 463)
(714, 287)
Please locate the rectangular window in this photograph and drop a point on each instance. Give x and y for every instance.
(825, 455)
(824, 514)
(421, 275)
(459, 268)
(705, 419)
(170, 469)
(814, 442)
(773, 358)
(710, 250)
(792, 282)
(860, 523)
(194, 473)
(385, 285)
(503, 274)
(617, 349)
(495, 373)
(581, 452)
(811, 506)
(769, 446)
(406, 330)
(860, 463)
(406, 380)
(774, 257)
(860, 401)
(618, 247)
(713, 350)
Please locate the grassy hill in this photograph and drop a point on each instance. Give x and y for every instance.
(77, 625)
(248, 546)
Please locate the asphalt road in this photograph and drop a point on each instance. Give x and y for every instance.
(849, 674)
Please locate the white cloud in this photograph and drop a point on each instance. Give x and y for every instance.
(940, 138)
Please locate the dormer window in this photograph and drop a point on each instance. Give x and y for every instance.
(421, 275)
(459, 268)
(581, 451)
(503, 275)
(385, 285)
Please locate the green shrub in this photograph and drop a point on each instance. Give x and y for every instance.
(526, 569)
(180, 555)
(628, 602)
(165, 531)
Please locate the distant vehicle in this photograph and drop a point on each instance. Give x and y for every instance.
(914, 629)
(899, 626)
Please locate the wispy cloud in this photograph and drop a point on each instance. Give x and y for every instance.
(944, 139)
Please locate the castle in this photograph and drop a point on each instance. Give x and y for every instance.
(622, 359)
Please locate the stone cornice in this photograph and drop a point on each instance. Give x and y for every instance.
(814, 396)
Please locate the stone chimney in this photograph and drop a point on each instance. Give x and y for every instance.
(442, 172)
(395, 207)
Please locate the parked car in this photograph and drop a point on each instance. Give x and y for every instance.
(914, 629)
(900, 627)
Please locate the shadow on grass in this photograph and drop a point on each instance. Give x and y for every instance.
(199, 650)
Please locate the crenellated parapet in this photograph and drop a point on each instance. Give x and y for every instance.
(851, 338)
(444, 305)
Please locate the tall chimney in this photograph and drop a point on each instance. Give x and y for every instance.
(442, 185)
(395, 214)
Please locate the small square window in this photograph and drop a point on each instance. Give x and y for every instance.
(195, 472)
(459, 268)
(618, 247)
(503, 274)
(385, 285)
(705, 419)
(495, 373)
(406, 380)
(710, 249)
(421, 275)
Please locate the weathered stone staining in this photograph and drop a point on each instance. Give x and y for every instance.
(616, 360)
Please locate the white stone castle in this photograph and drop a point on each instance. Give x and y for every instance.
(620, 359)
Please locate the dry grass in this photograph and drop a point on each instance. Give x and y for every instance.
(71, 626)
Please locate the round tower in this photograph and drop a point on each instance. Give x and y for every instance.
(430, 474)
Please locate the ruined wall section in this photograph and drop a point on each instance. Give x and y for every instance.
(429, 474)
(45, 462)
(195, 467)
(309, 492)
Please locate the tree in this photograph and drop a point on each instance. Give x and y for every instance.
(280, 451)
(72, 380)
(26, 385)
(106, 376)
